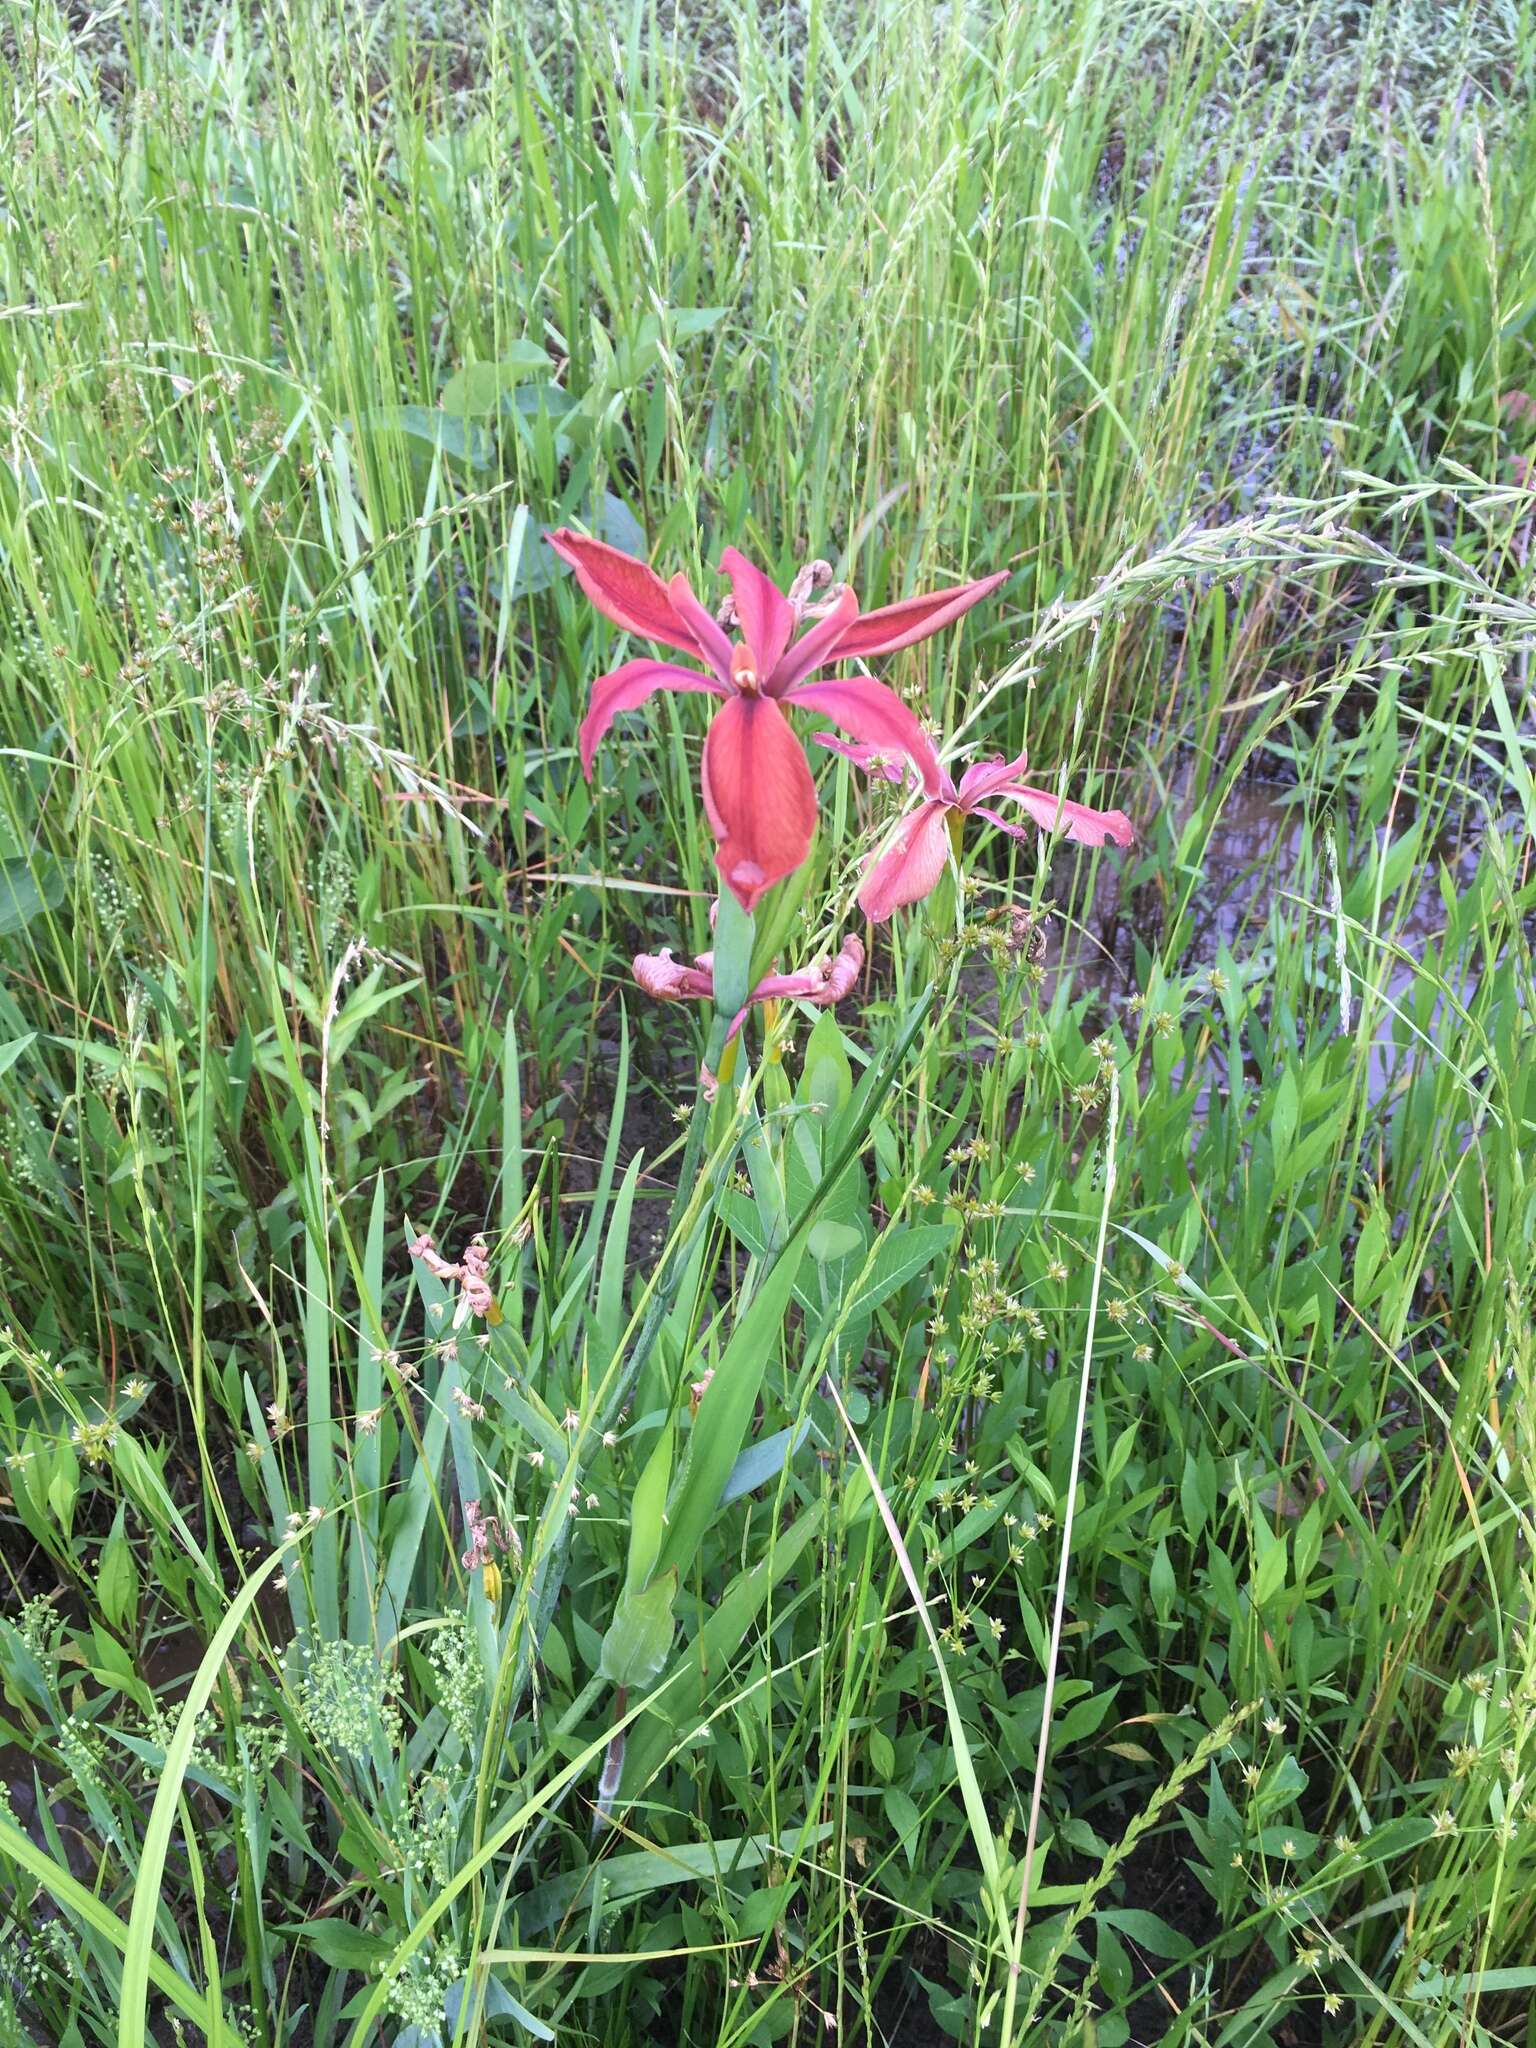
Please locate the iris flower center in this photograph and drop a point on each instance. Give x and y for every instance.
(743, 671)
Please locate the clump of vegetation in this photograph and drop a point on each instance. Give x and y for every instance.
(794, 1391)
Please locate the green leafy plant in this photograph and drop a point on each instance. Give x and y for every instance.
(1049, 1439)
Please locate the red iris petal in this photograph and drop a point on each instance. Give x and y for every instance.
(625, 590)
(986, 778)
(767, 617)
(898, 625)
(910, 866)
(1057, 814)
(714, 642)
(876, 716)
(815, 647)
(624, 688)
(758, 794)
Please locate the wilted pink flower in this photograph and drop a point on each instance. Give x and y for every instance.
(757, 788)
(909, 866)
(483, 1531)
(471, 1271)
(828, 981)
(421, 1248)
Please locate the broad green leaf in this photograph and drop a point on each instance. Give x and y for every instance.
(735, 932)
(1369, 1250)
(532, 399)
(1120, 1454)
(1474, 1984)
(687, 321)
(901, 1811)
(21, 1669)
(1114, 1965)
(12, 1051)
(902, 1253)
(64, 1491)
(1197, 1491)
(640, 1634)
(534, 565)
(830, 1240)
(776, 912)
(27, 889)
(1308, 1542)
(681, 1703)
(616, 524)
(828, 1077)
(763, 1461)
(494, 2001)
(635, 1874)
(117, 1576)
(1269, 1572)
(1161, 1583)
(1084, 1717)
(457, 437)
(647, 1512)
(339, 1943)
(725, 1413)
(481, 388)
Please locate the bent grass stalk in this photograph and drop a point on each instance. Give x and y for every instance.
(960, 1750)
(1059, 1608)
(70, 1895)
(138, 1954)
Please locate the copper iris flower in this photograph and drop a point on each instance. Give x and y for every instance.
(757, 787)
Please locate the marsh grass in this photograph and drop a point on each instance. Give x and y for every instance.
(1204, 324)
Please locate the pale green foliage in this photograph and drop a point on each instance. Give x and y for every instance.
(345, 1696)
(460, 1679)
